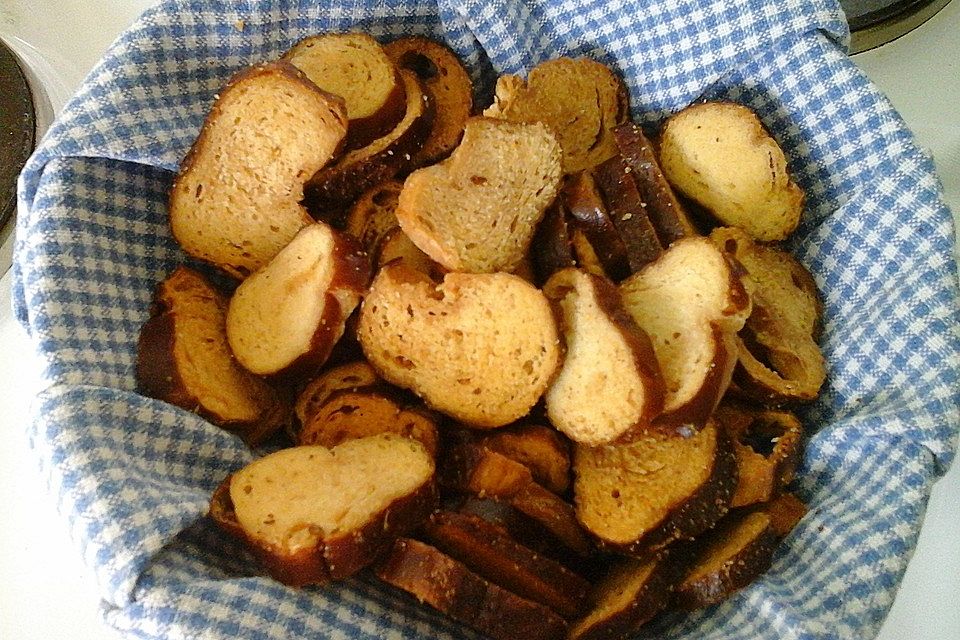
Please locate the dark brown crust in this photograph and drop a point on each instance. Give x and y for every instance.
(353, 375)
(589, 213)
(692, 516)
(541, 449)
(740, 569)
(363, 131)
(362, 218)
(337, 186)
(665, 211)
(647, 602)
(477, 470)
(610, 302)
(340, 555)
(352, 273)
(408, 422)
(696, 411)
(762, 475)
(447, 82)
(628, 213)
(489, 551)
(158, 373)
(283, 68)
(551, 248)
(448, 586)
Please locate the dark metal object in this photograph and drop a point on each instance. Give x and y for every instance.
(17, 129)
(876, 22)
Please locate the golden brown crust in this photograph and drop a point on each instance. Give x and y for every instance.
(160, 372)
(541, 449)
(339, 554)
(336, 186)
(447, 82)
(448, 586)
(785, 511)
(729, 558)
(768, 446)
(362, 130)
(238, 255)
(489, 551)
(356, 413)
(632, 593)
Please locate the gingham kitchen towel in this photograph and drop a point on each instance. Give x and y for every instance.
(132, 476)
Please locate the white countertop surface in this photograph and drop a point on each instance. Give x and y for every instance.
(46, 592)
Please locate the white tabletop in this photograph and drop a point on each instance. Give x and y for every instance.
(46, 591)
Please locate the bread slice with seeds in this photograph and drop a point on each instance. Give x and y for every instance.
(642, 496)
(449, 86)
(285, 318)
(628, 213)
(489, 551)
(691, 302)
(447, 585)
(720, 155)
(312, 514)
(477, 211)
(349, 414)
(449, 343)
(335, 187)
(729, 558)
(631, 594)
(609, 387)
(665, 211)
(355, 67)
(580, 99)
(235, 201)
(183, 358)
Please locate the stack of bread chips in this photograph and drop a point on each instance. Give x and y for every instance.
(531, 364)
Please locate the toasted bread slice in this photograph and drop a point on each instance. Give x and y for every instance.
(353, 375)
(767, 444)
(477, 210)
(236, 199)
(447, 82)
(354, 66)
(632, 593)
(489, 551)
(474, 469)
(590, 215)
(450, 345)
(580, 99)
(779, 359)
(285, 318)
(397, 245)
(349, 414)
(334, 188)
(785, 511)
(609, 387)
(628, 212)
(665, 211)
(436, 579)
(312, 514)
(719, 155)
(183, 358)
(374, 214)
(586, 256)
(552, 249)
(659, 488)
(729, 558)
(541, 449)
(691, 302)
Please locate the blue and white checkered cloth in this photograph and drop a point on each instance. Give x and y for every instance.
(132, 476)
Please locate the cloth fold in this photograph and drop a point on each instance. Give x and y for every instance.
(132, 475)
